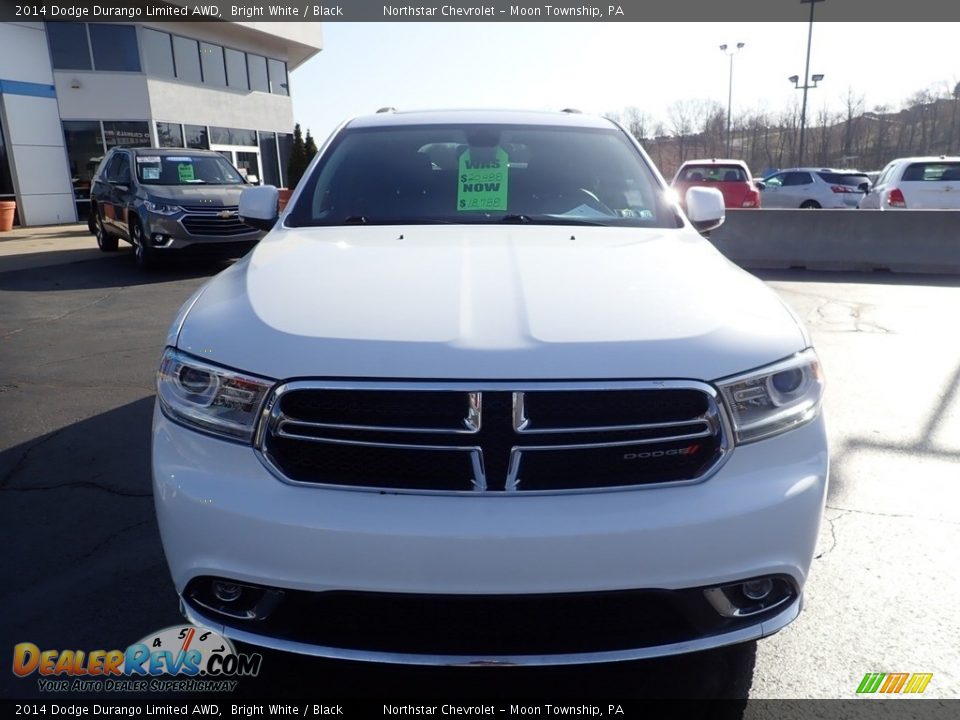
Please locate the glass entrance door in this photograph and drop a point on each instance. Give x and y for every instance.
(244, 159)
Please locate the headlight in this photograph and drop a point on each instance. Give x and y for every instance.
(208, 397)
(776, 398)
(162, 208)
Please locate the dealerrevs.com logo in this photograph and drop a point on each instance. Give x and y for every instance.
(182, 658)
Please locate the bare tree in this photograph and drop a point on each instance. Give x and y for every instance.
(680, 114)
(637, 122)
(854, 109)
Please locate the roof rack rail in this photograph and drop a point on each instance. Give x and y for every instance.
(573, 111)
(386, 109)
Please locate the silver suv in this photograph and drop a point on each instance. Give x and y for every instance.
(814, 188)
(161, 200)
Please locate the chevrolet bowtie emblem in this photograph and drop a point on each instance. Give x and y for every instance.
(225, 214)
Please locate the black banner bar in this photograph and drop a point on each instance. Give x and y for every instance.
(507, 710)
(476, 11)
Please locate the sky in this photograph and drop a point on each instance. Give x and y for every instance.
(603, 67)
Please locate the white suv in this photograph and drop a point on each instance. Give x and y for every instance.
(917, 183)
(485, 395)
(812, 188)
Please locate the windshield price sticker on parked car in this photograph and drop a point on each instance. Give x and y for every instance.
(148, 159)
(185, 172)
(482, 182)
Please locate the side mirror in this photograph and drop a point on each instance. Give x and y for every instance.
(761, 185)
(864, 187)
(258, 207)
(705, 208)
(253, 180)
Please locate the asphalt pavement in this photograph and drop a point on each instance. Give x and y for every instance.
(80, 336)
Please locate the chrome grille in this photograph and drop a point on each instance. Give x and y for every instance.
(213, 220)
(447, 437)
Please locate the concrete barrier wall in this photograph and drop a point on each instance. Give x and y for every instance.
(924, 241)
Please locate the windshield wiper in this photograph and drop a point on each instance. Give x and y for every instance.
(515, 218)
(356, 220)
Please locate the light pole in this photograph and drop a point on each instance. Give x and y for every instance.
(806, 81)
(795, 79)
(730, 52)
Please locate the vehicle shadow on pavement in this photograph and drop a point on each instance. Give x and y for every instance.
(877, 277)
(85, 568)
(79, 270)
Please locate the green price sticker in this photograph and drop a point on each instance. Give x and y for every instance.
(185, 171)
(482, 182)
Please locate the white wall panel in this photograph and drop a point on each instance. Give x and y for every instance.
(180, 102)
(41, 170)
(33, 120)
(102, 95)
(24, 56)
(47, 209)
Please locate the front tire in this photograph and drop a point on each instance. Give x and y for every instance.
(144, 255)
(105, 241)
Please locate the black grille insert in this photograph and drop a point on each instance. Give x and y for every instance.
(413, 409)
(466, 440)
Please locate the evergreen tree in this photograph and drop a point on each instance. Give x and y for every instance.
(310, 147)
(297, 163)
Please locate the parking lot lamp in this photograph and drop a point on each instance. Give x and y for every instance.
(806, 82)
(730, 51)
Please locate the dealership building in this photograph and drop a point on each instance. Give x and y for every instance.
(70, 91)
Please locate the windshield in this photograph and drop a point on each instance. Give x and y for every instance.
(482, 174)
(186, 170)
(932, 172)
(712, 173)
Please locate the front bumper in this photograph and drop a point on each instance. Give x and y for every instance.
(173, 235)
(222, 514)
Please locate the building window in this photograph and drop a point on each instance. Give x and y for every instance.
(169, 134)
(126, 134)
(186, 53)
(211, 60)
(196, 137)
(114, 47)
(236, 69)
(68, 45)
(6, 180)
(268, 157)
(158, 53)
(285, 145)
(278, 77)
(258, 73)
(232, 136)
(84, 142)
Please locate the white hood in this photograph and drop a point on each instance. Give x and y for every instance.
(488, 303)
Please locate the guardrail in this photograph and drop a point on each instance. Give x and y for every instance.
(918, 241)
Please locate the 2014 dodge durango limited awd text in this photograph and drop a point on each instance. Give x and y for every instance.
(484, 394)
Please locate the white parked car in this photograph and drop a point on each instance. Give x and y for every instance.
(484, 394)
(812, 188)
(918, 183)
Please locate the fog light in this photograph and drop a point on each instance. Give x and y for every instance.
(751, 597)
(232, 599)
(758, 589)
(226, 592)
(160, 239)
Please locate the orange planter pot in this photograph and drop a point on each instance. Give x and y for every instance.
(283, 197)
(7, 210)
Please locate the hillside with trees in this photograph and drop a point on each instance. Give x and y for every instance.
(849, 138)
